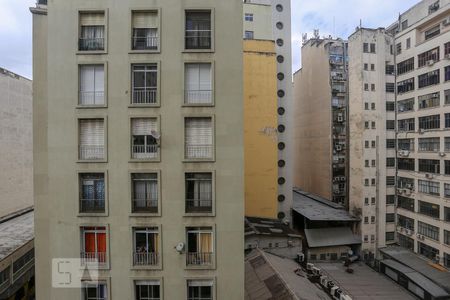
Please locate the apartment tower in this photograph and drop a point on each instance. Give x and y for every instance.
(270, 20)
(320, 87)
(138, 147)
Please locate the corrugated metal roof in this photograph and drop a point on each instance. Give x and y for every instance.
(333, 236)
(273, 227)
(316, 208)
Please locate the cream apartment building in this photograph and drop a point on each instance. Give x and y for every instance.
(372, 137)
(138, 147)
(422, 46)
(257, 13)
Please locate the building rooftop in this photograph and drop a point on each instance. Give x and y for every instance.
(268, 277)
(16, 232)
(316, 208)
(425, 267)
(265, 226)
(365, 283)
(334, 236)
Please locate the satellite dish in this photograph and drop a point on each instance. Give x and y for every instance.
(180, 247)
(155, 134)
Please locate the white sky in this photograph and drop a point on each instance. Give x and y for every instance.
(16, 26)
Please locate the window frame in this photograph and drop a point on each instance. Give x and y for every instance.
(213, 279)
(213, 77)
(148, 278)
(213, 156)
(106, 265)
(132, 213)
(105, 137)
(213, 194)
(213, 29)
(156, 10)
(140, 225)
(141, 62)
(212, 266)
(105, 12)
(79, 187)
(159, 143)
(105, 84)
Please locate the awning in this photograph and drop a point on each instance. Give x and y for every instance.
(327, 237)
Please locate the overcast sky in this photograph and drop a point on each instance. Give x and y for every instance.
(335, 17)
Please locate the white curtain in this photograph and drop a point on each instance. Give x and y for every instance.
(92, 132)
(143, 126)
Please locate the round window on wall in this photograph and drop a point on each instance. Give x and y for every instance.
(281, 146)
(280, 76)
(280, 93)
(279, 7)
(281, 128)
(280, 59)
(281, 215)
(281, 198)
(280, 42)
(279, 25)
(281, 111)
(281, 163)
(281, 181)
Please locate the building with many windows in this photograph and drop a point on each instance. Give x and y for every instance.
(138, 147)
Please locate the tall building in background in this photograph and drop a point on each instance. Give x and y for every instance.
(372, 137)
(138, 147)
(321, 122)
(257, 13)
(16, 148)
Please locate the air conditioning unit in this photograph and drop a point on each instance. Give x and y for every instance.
(447, 56)
(333, 290)
(442, 154)
(338, 148)
(316, 271)
(437, 258)
(345, 297)
(430, 62)
(323, 281)
(446, 22)
(340, 118)
(429, 176)
(342, 178)
(309, 266)
(421, 131)
(300, 257)
(408, 231)
(403, 153)
(409, 186)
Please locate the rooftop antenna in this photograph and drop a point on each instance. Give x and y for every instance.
(316, 33)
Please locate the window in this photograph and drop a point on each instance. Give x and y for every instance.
(446, 190)
(405, 86)
(429, 166)
(94, 290)
(405, 242)
(366, 86)
(145, 137)
(390, 143)
(429, 209)
(447, 48)
(366, 201)
(430, 122)
(398, 47)
(405, 222)
(372, 200)
(429, 144)
(427, 251)
(5, 275)
(447, 144)
(432, 32)
(198, 138)
(92, 139)
(93, 245)
(405, 105)
(366, 106)
(430, 78)
(428, 230)
(447, 260)
(199, 246)
(390, 180)
(408, 43)
(429, 187)
(372, 48)
(372, 87)
(366, 182)
(374, 144)
(22, 263)
(390, 124)
(366, 238)
(200, 289)
(405, 183)
(372, 219)
(366, 220)
(447, 238)
(447, 73)
(366, 144)
(373, 181)
(429, 100)
(390, 106)
(198, 30)
(372, 67)
(248, 17)
(433, 7)
(198, 83)
(447, 167)
(390, 87)
(406, 164)
(145, 30)
(447, 214)
(405, 66)
(405, 203)
(430, 55)
(406, 125)
(92, 31)
(366, 124)
(199, 192)
(249, 35)
(144, 84)
(145, 192)
(365, 47)
(390, 199)
(92, 192)
(390, 69)
(390, 236)
(374, 163)
(406, 144)
(366, 67)
(147, 289)
(390, 218)
(92, 85)
(447, 120)
(145, 246)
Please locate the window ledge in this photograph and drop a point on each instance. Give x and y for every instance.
(199, 160)
(92, 161)
(150, 160)
(198, 51)
(210, 214)
(99, 52)
(143, 215)
(91, 106)
(157, 51)
(152, 267)
(88, 215)
(156, 105)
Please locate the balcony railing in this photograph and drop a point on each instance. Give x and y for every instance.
(199, 258)
(91, 44)
(92, 98)
(142, 205)
(198, 206)
(199, 151)
(145, 151)
(198, 39)
(93, 258)
(92, 205)
(145, 258)
(145, 43)
(144, 95)
(198, 97)
(92, 152)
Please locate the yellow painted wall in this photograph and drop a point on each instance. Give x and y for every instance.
(260, 128)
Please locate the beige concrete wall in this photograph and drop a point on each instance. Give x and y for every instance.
(312, 123)
(260, 129)
(57, 224)
(16, 143)
(262, 21)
